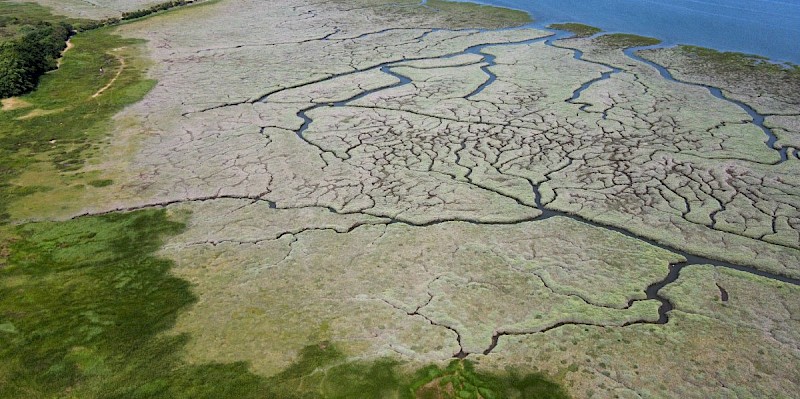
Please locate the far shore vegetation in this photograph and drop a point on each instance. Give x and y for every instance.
(626, 40)
(729, 59)
(491, 16)
(580, 30)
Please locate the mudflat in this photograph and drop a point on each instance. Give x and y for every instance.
(423, 196)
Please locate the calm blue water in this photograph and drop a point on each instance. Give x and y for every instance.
(770, 28)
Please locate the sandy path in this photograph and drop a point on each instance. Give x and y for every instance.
(61, 59)
(114, 79)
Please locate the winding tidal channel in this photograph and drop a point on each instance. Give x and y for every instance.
(488, 61)
(652, 291)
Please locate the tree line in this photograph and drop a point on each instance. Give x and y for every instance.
(29, 54)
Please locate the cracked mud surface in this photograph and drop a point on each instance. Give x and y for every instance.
(404, 182)
(772, 90)
(419, 291)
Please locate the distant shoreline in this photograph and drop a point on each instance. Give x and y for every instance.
(541, 22)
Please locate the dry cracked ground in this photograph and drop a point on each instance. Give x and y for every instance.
(412, 182)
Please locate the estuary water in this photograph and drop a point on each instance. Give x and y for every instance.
(769, 28)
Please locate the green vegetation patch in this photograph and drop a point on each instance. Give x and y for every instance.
(460, 380)
(625, 40)
(101, 183)
(65, 123)
(321, 372)
(85, 304)
(727, 60)
(81, 306)
(580, 30)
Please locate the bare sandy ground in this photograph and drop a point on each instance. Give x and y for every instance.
(12, 103)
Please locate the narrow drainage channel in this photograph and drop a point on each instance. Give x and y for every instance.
(402, 80)
(547, 213)
(489, 59)
(691, 259)
(651, 291)
(758, 119)
(307, 121)
(578, 55)
(723, 294)
(651, 294)
(577, 93)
